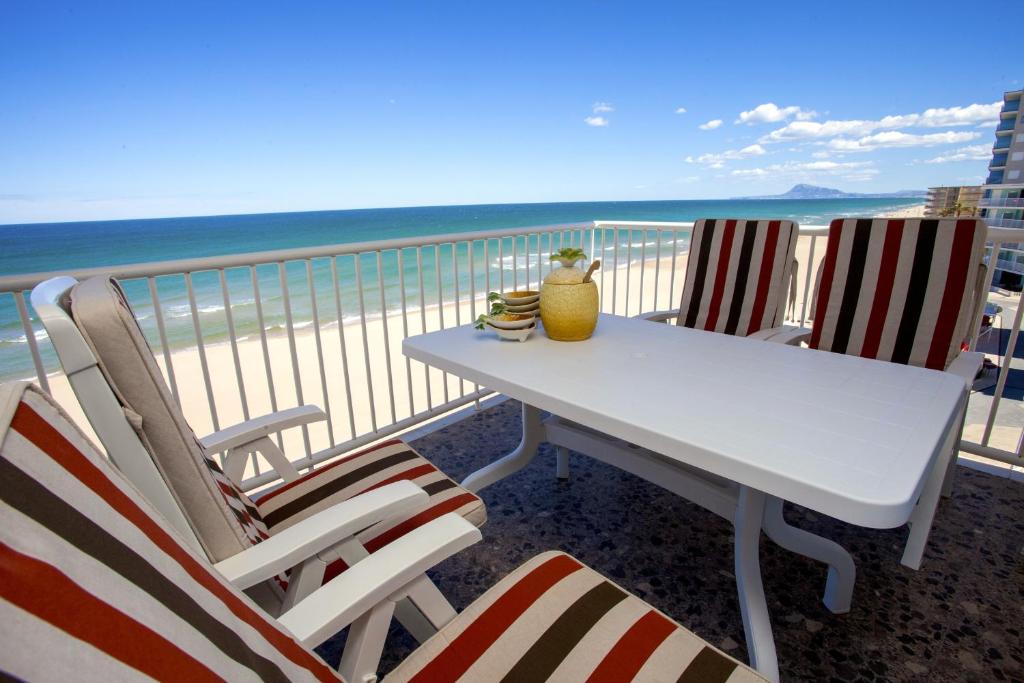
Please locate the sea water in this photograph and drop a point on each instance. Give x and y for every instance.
(48, 247)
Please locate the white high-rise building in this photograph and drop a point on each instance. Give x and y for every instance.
(1002, 200)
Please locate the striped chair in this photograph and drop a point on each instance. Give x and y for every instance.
(224, 519)
(901, 290)
(738, 275)
(905, 291)
(94, 586)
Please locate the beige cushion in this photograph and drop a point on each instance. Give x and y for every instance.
(105, 319)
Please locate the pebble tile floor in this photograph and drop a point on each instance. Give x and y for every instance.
(959, 618)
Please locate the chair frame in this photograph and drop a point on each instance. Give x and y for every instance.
(307, 547)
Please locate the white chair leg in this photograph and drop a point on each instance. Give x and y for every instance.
(412, 619)
(950, 479)
(924, 512)
(365, 643)
(842, 571)
(757, 626)
(562, 464)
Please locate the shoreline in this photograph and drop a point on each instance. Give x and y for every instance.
(914, 211)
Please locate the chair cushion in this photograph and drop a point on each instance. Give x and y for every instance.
(900, 290)
(737, 275)
(555, 619)
(225, 519)
(94, 586)
(219, 513)
(360, 472)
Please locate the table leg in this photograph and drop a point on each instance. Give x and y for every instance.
(562, 463)
(841, 569)
(533, 434)
(757, 626)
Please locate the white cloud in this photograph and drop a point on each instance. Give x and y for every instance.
(849, 170)
(930, 118)
(770, 112)
(680, 110)
(893, 138)
(716, 160)
(602, 108)
(597, 121)
(711, 125)
(969, 153)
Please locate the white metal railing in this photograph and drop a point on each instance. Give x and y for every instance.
(1000, 202)
(1014, 223)
(243, 334)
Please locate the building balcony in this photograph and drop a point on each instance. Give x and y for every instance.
(1006, 126)
(998, 161)
(1010, 106)
(1004, 222)
(994, 178)
(1001, 202)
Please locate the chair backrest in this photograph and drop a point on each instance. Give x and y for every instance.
(224, 519)
(94, 585)
(737, 275)
(901, 290)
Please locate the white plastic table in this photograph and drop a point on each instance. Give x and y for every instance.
(855, 439)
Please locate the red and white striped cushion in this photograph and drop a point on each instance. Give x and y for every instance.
(364, 471)
(94, 587)
(555, 619)
(900, 290)
(737, 274)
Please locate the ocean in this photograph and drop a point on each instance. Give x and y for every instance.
(68, 246)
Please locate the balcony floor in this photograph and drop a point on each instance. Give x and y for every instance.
(956, 619)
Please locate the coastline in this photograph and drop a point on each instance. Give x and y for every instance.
(354, 404)
(915, 211)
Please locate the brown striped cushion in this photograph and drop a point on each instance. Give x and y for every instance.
(93, 586)
(737, 274)
(900, 290)
(225, 519)
(555, 619)
(364, 471)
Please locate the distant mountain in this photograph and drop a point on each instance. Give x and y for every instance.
(814, 192)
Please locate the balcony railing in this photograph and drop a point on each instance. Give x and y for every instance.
(1007, 124)
(244, 334)
(1011, 105)
(1001, 202)
(1013, 223)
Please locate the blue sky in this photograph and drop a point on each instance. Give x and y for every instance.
(123, 110)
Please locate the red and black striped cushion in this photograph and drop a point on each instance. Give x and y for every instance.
(556, 619)
(736, 275)
(900, 290)
(371, 468)
(94, 587)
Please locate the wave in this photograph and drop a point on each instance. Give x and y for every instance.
(40, 335)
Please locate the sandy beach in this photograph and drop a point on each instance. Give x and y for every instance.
(340, 386)
(915, 211)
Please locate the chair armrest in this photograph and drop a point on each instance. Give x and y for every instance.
(316, 533)
(377, 578)
(659, 316)
(966, 366)
(786, 334)
(258, 427)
